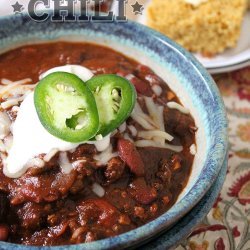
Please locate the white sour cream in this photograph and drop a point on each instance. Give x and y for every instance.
(30, 138)
(83, 73)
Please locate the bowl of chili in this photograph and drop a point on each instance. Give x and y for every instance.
(186, 78)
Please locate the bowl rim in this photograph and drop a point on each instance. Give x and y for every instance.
(183, 206)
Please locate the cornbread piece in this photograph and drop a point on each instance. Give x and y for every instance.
(209, 27)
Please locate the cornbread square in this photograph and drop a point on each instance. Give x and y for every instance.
(208, 28)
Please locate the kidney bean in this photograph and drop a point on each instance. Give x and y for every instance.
(131, 157)
(143, 193)
(141, 86)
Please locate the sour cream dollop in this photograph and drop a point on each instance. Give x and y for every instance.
(31, 139)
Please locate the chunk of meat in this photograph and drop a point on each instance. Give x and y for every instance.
(48, 236)
(58, 230)
(101, 217)
(83, 150)
(98, 211)
(141, 192)
(181, 124)
(31, 215)
(131, 157)
(114, 169)
(63, 210)
(46, 187)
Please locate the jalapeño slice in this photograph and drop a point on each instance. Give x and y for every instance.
(66, 107)
(115, 98)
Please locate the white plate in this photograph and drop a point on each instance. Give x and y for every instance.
(229, 60)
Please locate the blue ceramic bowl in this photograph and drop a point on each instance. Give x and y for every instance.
(187, 78)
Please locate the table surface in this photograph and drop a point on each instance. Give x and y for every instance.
(227, 224)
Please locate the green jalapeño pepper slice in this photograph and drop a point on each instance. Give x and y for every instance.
(115, 98)
(66, 107)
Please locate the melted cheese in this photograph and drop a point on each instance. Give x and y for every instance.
(64, 163)
(98, 189)
(175, 105)
(157, 89)
(105, 156)
(149, 143)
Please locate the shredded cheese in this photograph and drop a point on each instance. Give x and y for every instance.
(105, 156)
(133, 130)
(142, 119)
(101, 143)
(127, 137)
(122, 128)
(75, 164)
(64, 163)
(6, 81)
(4, 125)
(193, 149)
(20, 90)
(155, 133)
(149, 143)
(156, 112)
(12, 85)
(11, 102)
(157, 89)
(175, 105)
(98, 189)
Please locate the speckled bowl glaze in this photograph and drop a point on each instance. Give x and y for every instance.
(185, 76)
